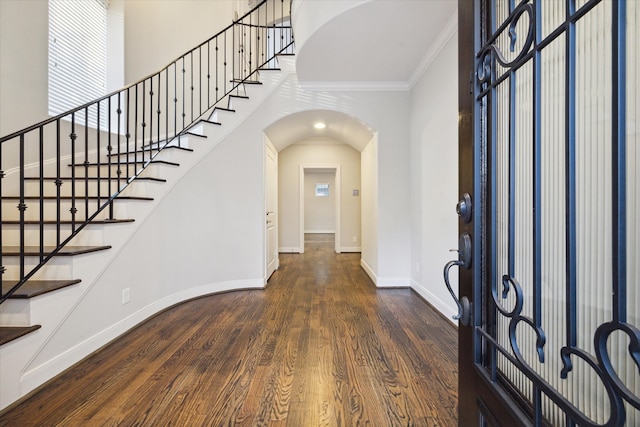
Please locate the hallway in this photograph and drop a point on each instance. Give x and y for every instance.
(319, 347)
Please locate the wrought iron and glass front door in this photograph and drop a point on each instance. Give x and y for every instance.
(549, 149)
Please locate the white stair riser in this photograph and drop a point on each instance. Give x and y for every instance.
(11, 212)
(126, 171)
(91, 187)
(15, 312)
(92, 235)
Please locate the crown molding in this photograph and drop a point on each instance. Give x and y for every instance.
(449, 30)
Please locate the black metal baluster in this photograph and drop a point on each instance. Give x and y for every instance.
(224, 77)
(58, 183)
(159, 111)
(86, 163)
(98, 157)
(191, 81)
(200, 79)
(2, 267)
(73, 137)
(135, 137)
(150, 123)
(22, 207)
(183, 95)
(208, 75)
(166, 106)
(217, 68)
(41, 185)
(143, 125)
(175, 100)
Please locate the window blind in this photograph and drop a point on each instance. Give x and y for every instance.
(77, 55)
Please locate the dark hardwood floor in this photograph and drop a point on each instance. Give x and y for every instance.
(319, 347)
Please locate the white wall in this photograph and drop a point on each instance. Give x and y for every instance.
(434, 177)
(24, 27)
(158, 31)
(319, 212)
(369, 206)
(289, 191)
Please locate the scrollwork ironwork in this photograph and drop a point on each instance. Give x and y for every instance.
(617, 392)
(491, 52)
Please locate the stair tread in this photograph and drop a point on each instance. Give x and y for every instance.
(113, 178)
(225, 109)
(78, 197)
(129, 162)
(67, 222)
(65, 251)
(211, 122)
(10, 333)
(249, 82)
(128, 153)
(33, 288)
(238, 96)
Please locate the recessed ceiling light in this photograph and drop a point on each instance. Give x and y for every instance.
(320, 125)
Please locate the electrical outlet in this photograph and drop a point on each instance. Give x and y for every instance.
(355, 239)
(125, 296)
(417, 267)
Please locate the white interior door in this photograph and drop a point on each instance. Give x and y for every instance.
(271, 179)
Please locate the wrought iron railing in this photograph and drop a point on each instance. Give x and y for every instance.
(134, 125)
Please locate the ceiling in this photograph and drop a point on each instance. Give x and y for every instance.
(379, 44)
(298, 129)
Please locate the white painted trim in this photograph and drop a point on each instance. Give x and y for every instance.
(351, 249)
(449, 30)
(44, 372)
(393, 282)
(436, 302)
(319, 231)
(356, 86)
(338, 185)
(289, 250)
(367, 269)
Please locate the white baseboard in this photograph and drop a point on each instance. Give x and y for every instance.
(435, 302)
(289, 250)
(319, 231)
(394, 282)
(369, 271)
(350, 249)
(47, 370)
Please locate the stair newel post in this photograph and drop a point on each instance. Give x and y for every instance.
(58, 183)
(86, 163)
(109, 150)
(41, 185)
(73, 137)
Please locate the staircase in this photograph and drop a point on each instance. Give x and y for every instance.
(76, 195)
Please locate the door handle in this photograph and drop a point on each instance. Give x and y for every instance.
(464, 261)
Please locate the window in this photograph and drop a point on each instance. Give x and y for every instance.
(77, 55)
(322, 190)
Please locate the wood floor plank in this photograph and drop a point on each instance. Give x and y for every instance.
(320, 346)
